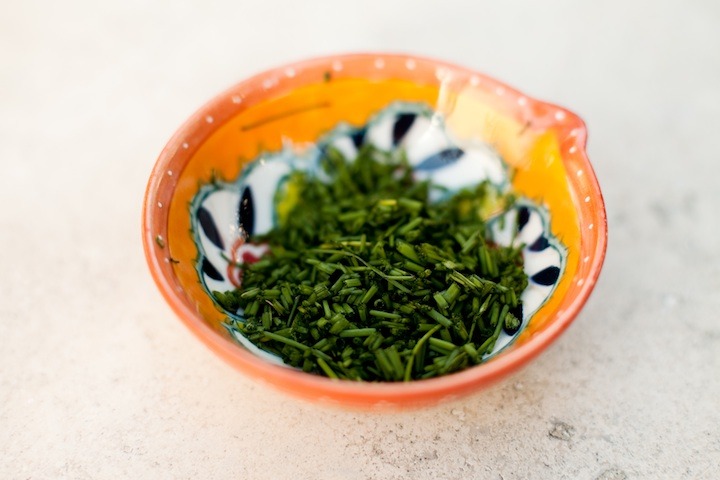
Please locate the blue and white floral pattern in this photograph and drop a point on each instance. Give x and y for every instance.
(225, 214)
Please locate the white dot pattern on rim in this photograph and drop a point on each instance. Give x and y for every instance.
(379, 63)
(209, 119)
(580, 282)
(474, 81)
(587, 199)
(410, 64)
(185, 145)
(236, 99)
(572, 149)
(499, 91)
(579, 173)
(160, 205)
(522, 101)
(590, 227)
(290, 72)
(586, 259)
(169, 172)
(337, 65)
(559, 115)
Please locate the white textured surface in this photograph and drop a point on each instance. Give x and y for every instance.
(98, 379)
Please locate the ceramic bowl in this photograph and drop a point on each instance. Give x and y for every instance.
(220, 170)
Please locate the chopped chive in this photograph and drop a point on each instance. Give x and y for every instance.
(410, 225)
(352, 215)
(440, 301)
(399, 286)
(326, 368)
(452, 293)
(408, 251)
(399, 279)
(252, 309)
(472, 352)
(381, 314)
(410, 204)
(267, 319)
(425, 338)
(442, 344)
(285, 340)
(357, 332)
(353, 282)
(395, 362)
(250, 293)
(278, 307)
(407, 309)
(470, 242)
(369, 280)
(320, 354)
(440, 318)
(369, 294)
(339, 326)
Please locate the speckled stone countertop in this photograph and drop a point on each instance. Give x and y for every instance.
(98, 379)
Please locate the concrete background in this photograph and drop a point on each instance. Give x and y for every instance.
(98, 379)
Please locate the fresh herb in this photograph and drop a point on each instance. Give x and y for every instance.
(369, 280)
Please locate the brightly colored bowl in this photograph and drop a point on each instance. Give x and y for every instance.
(298, 103)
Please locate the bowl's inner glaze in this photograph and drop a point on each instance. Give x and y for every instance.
(530, 136)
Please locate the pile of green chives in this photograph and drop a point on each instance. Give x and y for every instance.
(368, 280)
